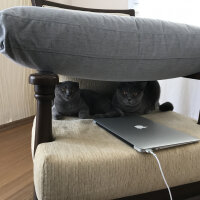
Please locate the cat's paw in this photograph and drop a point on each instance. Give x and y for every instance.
(84, 116)
(57, 117)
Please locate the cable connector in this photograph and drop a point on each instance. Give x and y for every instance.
(148, 150)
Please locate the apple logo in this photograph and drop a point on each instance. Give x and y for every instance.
(140, 127)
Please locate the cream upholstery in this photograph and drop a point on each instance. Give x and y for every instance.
(103, 87)
(86, 162)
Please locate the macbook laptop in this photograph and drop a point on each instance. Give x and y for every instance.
(143, 134)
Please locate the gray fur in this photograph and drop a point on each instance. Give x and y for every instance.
(139, 97)
(130, 97)
(68, 101)
(136, 97)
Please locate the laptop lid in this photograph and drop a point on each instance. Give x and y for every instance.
(143, 134)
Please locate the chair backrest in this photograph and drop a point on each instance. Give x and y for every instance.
(102, 87)
(41, 3)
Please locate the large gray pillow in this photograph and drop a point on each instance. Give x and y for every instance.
(99, 46)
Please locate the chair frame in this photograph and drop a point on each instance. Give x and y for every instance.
(44, 86)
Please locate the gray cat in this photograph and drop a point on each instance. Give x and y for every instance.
(139, 97)
(68, 101)
(72, 101)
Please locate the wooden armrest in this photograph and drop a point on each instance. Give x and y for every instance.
(40, 3)
(44, 86)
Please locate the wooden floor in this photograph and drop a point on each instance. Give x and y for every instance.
(16, 176)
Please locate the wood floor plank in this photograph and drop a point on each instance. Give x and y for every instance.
(16, 168)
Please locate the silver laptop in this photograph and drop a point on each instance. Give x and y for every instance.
(143, 134)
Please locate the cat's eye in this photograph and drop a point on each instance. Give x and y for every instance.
(135, 94)
(125, 93)
(63, 90)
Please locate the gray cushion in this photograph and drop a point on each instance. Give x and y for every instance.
(99, 46)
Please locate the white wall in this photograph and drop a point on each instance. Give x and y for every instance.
(184, 94)
(16, 94)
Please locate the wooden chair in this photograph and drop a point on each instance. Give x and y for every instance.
(44, 84)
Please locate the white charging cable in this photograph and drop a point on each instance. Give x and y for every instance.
(151, 152)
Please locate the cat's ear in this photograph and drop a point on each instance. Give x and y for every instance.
(143, 84)
(61, 83)
(58, 84)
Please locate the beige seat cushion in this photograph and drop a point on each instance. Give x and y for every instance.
(86, 162)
